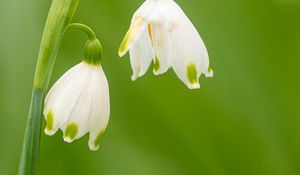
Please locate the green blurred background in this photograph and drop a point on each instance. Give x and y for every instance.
(244, 121)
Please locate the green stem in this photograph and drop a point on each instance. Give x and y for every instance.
(91, 34)
(59, 17)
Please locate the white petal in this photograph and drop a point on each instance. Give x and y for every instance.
(149, 10)
(138, 25)
(100, 109)
(63, 96)
(141, 55)
(190, 57)
(78, 121)
(162, 47)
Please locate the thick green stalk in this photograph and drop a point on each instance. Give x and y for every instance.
(59, 17)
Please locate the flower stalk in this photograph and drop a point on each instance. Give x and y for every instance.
(59, 17)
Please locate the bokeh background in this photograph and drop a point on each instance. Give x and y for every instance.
(244, 121)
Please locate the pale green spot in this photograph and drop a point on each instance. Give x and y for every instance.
(138, 70)
(97, 140)
(192, 73)
(50, 121)
(123, 46)
(156, 64)
(210, 70)
(71, 131)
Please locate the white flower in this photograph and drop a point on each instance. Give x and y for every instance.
(78, 103)
(160, 31)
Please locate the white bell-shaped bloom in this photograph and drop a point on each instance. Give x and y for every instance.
(78, 103)
(160, 31)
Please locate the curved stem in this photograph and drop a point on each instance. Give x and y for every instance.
(59, 17)
(91, 34)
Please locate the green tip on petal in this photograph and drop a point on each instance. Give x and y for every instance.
(156, 64)
(192, 74)
(71, 132)
(136, 74)
(97, 140)
(123, 47)
(210, 72)
(50, 121)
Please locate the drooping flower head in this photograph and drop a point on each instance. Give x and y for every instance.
(161, 32)
(78, 102)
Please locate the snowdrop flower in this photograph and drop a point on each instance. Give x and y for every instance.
(78, 102)
(160, 31)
